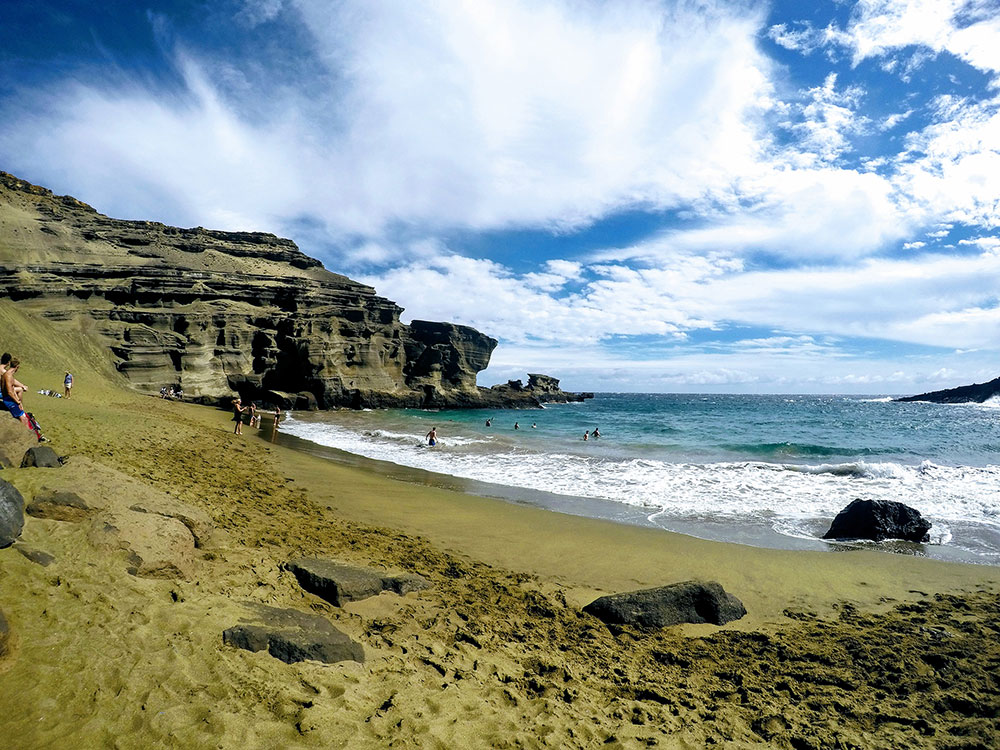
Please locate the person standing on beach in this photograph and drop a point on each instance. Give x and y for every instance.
(277, 416)
(254, 418)
(67, 384)
(238, 416)
(432, 437)
(12, 399)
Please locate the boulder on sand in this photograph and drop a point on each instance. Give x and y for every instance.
(690, 601)
(339, 583)
(11, 513)
(291, 636)
(41, 456)
(879, 520)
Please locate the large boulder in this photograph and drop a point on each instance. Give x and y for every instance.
(58, 505)
(338, 583)
(11, 513)
(691, 601)
(41, 456)
(879, 520)
(291, 636)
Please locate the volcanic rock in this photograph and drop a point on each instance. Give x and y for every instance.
(976, 393)
(11, 513)
(338, 583)
(292, 636)
(691, 601)
(35, 555)
(58, 505)
(879, 520)
(42, 457)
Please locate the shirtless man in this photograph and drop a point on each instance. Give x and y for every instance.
(12, 398)
(19, 387)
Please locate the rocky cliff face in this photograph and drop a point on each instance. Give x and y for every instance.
(976, 393)
(220, 312)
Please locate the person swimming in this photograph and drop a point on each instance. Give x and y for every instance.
(586, 435)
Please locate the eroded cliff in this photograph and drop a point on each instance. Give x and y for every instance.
(216, 312)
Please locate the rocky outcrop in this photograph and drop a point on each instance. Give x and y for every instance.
(338, 583)
(292, 636)
(212, 313)
(541, 389)
(59, 505)
(11, 513)
(976, 394)
(656, 608)
(4, 636)
(879, 520)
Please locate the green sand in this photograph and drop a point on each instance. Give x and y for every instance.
(860, 648)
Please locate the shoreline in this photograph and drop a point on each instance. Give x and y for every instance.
(720, 529)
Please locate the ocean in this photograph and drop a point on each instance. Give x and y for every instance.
(769, 471)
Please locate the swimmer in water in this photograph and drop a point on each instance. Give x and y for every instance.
(432, 437)
(586, 435)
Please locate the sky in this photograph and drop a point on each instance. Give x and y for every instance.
(672, 196)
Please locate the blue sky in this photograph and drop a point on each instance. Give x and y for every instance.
(690, 195)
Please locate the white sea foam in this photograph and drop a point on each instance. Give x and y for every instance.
(787, 495)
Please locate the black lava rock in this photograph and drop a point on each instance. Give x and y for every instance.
(879, 520)
(691, 601)
(11, 513)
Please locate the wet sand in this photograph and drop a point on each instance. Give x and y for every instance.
(860, 648)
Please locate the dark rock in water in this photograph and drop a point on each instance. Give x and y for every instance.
(976, 393)
(58, 505)
(291, 636)
(35, 555)
(691, 601)
(879, 520)
(4, 635)
(338, 583)
(11, 513)
(41, 456)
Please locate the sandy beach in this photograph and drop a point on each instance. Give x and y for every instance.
(853, 649)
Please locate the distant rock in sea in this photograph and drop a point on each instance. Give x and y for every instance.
(213, 313)
(975, 394)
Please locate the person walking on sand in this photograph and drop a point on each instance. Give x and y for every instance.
(238, 416)
(432, 437)
(12, 399)
(67, 384)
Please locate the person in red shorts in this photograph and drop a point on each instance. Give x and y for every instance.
(12, 399)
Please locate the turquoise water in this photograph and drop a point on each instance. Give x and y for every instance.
(770, 470)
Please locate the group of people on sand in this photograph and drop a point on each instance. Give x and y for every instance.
(12, 390)
(168, 391)
(253, 415)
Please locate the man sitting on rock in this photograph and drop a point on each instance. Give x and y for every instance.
(12, 399)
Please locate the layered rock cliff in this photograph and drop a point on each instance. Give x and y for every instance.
(976, 393)
(214, 313)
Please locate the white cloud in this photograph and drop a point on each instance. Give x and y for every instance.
(967, 29)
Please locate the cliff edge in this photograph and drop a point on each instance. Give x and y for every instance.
(213, 313)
